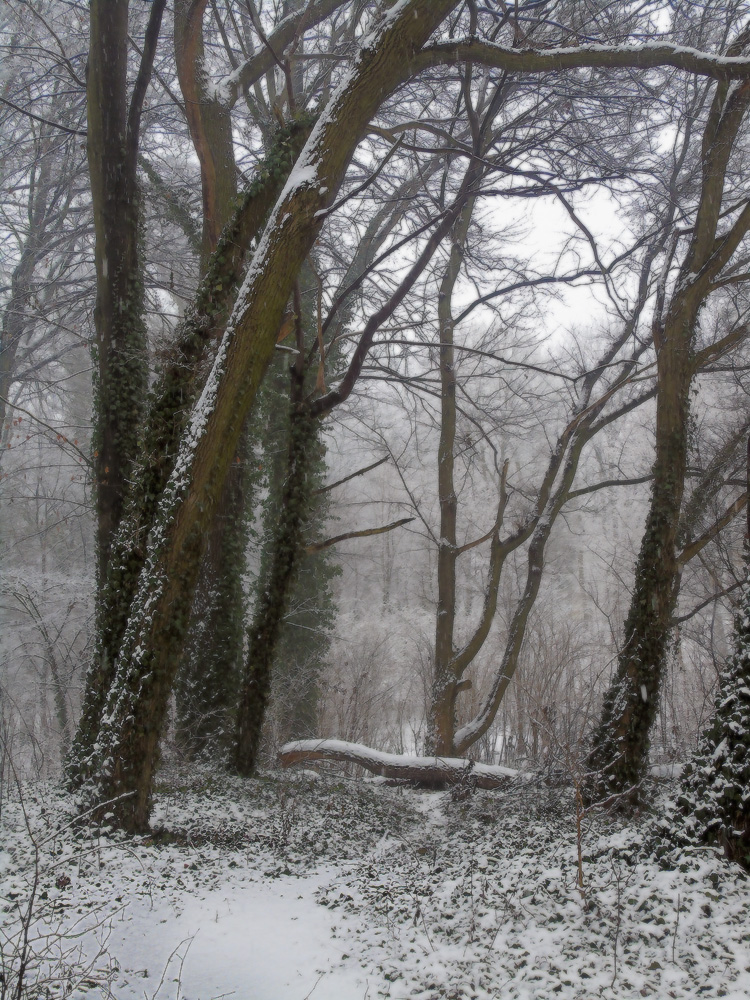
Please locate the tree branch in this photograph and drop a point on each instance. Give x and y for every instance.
(363, 533)
(719, 524)
(353, 475)
(649, 56)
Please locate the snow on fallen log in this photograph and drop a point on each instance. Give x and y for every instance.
(430, 770)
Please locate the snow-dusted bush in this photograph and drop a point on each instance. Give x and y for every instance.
(713, 803)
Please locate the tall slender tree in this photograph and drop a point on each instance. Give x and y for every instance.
(113, 141)
(720, 224)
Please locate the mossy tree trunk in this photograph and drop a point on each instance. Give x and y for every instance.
(304, 632)
(168, 411)
(121, 763)
(620, 743)
(713, 802)
(114, 118)
(121, 364)
(284, 555)
(212, 657)
(211, 662)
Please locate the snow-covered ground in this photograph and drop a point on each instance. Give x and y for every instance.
(294, 886)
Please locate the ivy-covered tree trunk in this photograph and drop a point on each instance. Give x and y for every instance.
(620, 744)
(121, 360)
(713, 805)
(273, 597)
(168, 411)
(303, 646)
(294, 649)
(209, 675)
(287, 518)
(212, 656)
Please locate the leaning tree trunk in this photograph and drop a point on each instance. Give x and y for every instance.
(168, 412)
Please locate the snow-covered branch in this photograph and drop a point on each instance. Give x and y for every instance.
(430, 770)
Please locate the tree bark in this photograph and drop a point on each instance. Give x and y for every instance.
(210, 124)
(168, 413)
(442, 717)
(713, 805)
(287, 549)
(436, 772)
(212, 657)
(122, 761)
(619, 750)
(122, 366)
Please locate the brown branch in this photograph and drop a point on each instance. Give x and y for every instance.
(363, 533)
(144, 74)
(599, 56)
(324, 404)
(498, 519)
(719, 524)
(704, 604)
(258, 65)
(353, 475)
(158, 76)
(44, 121)
(721, 347)
(606, 483)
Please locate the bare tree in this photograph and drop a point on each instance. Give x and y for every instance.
(121, 760)
(712, 259)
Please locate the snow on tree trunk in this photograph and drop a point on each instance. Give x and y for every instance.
(619, 753)
(179, 383)
(120, 765)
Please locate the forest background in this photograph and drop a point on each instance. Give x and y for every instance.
(374, 372)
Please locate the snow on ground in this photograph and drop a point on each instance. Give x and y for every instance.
(295, 886)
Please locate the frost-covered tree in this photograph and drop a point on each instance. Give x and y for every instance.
(117, 750)
(711, 261)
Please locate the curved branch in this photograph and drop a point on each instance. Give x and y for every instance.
(649, 56)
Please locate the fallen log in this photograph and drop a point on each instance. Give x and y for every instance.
(434, 771)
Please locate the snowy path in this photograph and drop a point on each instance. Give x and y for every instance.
(253, 941)
(291, 888)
